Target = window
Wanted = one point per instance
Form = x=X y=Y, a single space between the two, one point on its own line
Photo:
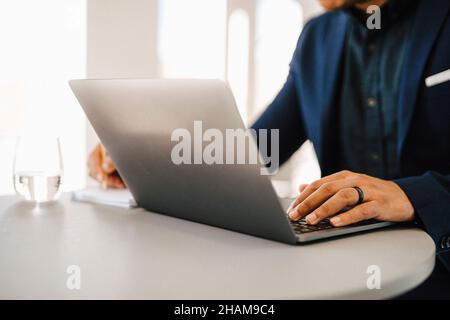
x=43 y=46
x=248 y=43
x=278 y=26
x=238 y=59
x=191 y=38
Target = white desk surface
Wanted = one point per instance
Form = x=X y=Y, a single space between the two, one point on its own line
x=133 y=254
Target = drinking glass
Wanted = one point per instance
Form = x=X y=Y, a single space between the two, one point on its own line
x=38 y=168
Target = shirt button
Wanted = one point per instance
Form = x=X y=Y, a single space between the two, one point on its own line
x=375 y=156
x=371 y=47
x=372 y=102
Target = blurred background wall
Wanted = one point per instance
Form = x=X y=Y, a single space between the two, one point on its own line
x=248 y=43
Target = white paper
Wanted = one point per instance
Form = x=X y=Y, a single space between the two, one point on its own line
x=109 y=197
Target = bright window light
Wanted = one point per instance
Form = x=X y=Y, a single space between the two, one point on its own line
x=43 y=46
x=278 y=26
x=191 y=38
x=238 y=58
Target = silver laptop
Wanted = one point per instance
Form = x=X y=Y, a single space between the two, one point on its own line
x=135 y=120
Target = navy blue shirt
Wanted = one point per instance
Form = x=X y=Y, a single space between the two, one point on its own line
x=308 y=106
x=373 y=63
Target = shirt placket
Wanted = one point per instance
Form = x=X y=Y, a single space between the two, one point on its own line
x=373 y=117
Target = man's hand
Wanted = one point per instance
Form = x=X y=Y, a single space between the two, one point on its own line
x=102 y=169
x=325 y=198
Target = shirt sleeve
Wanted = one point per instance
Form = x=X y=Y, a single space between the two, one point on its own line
x=430 y=196
x=284 y=114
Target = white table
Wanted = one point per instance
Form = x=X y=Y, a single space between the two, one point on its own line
x=134 y=254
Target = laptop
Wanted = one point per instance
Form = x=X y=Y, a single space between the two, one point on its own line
x=136 y=118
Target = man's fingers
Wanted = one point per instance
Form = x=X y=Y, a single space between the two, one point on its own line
x=300 y=190
x=302 y=187
x=341 y=200
x=313 y=187
x=94 y=164
x=363 y=212
x=114 y=181
x=108 y=166
x=102 y=169
x=322 y=194
x=315 y=199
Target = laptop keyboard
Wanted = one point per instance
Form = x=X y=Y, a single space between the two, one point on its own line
x=303 y=227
